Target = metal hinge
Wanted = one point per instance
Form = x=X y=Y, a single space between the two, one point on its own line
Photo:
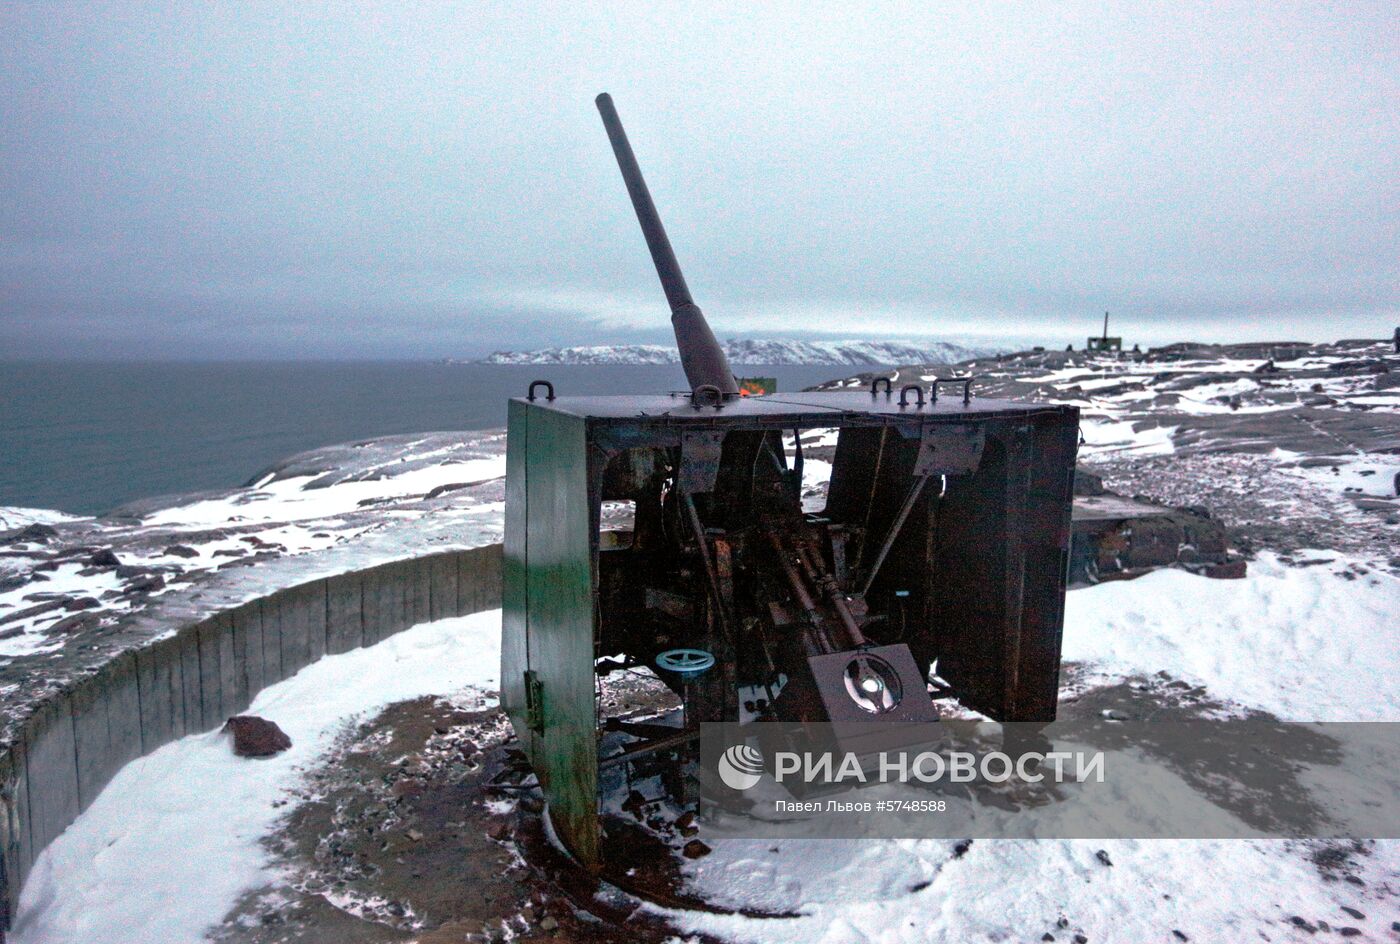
x=534 y=702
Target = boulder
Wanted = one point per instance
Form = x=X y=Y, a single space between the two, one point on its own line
x=256 y=737
x=104 y=558
x=1087 y=483
x=149 y=584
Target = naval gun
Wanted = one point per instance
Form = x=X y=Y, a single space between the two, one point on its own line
x=944 y=540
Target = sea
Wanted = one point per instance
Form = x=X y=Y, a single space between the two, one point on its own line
x=84 y=437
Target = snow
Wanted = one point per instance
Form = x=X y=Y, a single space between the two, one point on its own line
x=13 y=517
x=111 y=878
x=1109 y=435
x=323 y=512
x=862 y=892
x=1364 y=474
x=754 y=351
x=291 y=499
x=1299 y=642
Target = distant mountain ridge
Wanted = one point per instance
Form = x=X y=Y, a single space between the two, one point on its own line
x=757 y=351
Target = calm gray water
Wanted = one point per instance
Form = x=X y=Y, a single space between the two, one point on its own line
x=85 y=437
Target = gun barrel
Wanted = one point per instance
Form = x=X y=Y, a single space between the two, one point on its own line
x=701 y=356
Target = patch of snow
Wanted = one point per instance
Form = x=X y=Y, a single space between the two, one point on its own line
x=920 y=892
x=13 y=517
x=1304 y=643
x=1110 y=436
x=1373 y=475
x=291 y=499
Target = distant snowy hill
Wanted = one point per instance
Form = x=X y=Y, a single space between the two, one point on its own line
x=746 y=351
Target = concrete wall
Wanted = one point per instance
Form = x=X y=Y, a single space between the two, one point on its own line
x=192 y=681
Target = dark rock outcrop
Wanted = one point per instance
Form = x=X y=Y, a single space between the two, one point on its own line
x=38 y=533
x=104 y=558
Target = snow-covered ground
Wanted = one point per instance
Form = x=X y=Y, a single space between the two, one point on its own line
x=1301 y=642
x=1291 y=640
x=1295 y=641
x=166 y=849
x=317 y=513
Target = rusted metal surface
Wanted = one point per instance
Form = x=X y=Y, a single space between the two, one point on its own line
x=703 y=359
x=971 y=569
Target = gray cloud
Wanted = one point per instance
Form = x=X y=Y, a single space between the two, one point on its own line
x=425 y=181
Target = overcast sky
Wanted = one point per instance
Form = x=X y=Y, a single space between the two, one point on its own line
x=259 y=180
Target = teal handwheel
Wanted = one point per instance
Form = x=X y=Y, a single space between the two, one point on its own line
x=686 y=663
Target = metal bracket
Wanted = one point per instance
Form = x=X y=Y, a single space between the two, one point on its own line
x=534 y=702
x=904 y=395
x=966 y=385
x=950 y=448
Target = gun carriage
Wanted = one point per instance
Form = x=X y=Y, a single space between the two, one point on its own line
x=943 y=541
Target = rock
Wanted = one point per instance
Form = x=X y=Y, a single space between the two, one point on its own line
x=444 y=489
x=72 y=624
x=1081 y=939
x=1180 y=936
x=1047 y=936
x=34 y=532
x=1300 y=922
x=414 y=835
x=144 y=585
x=1102 y=856
x=35 y=610
x=499 y=830
x=1230 y=570
x=1088 y=483
x=1354 y=913
x=104 y=558
x=181 y=550
x=407 y=787
x=635 y=804
x=695 y=849
x=960 y=848
x=256 y=737
x=1349 y=931
x=549 y=923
